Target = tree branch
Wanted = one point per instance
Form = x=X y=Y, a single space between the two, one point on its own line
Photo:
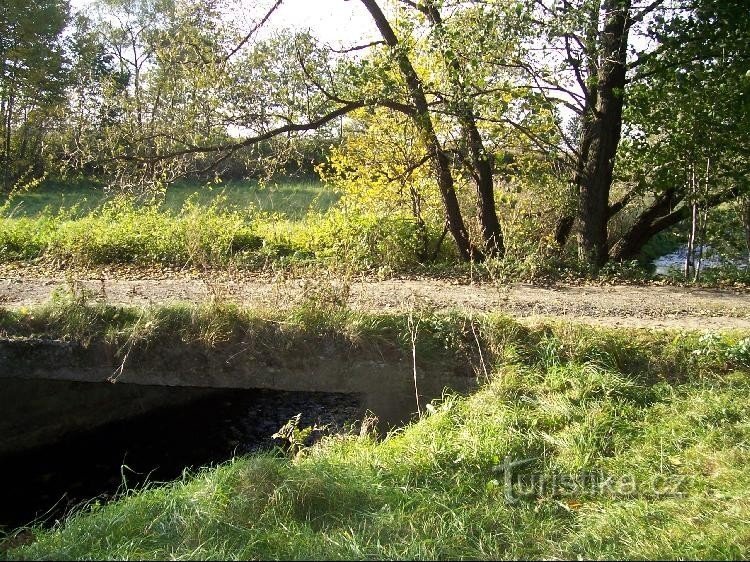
x=644 y=12
x=255 y=28
x=356 y=48
x=285 y=129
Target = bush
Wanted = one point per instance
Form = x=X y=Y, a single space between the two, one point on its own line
x=24 y=239
x=363 y=241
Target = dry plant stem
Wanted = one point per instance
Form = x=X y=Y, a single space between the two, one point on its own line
x=479 y=349
x=413 y=330
x=127 y=347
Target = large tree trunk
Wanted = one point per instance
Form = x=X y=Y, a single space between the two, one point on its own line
x=659 y=216
x=481 y=161
x=565 y=224
x=601 y=134
x=629 y=246
x=483 y=177
x=745 y=215
x=424 y=124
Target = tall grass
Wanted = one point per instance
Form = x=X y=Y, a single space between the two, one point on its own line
x=648 y=356
x=123 y=232
x=584 y=443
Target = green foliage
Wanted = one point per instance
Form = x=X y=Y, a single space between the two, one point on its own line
x=687 y=118
x=535 y=196
x=719 y=276
x=381 y=170
x=733 y=352
x=122 y=232
x=32 y=83
x=147 y=85
x=198 y=227
x=365 y=241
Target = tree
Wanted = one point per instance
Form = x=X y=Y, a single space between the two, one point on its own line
x=583 y=68
x=260 y=88
x=193 y=89
x=31 y=80
x=426 y=129
x=600 y=136
x=689 y=118
x=380 y=167
x=465 y=96
x=461 y=104
x=597 y=64
x=93 y=85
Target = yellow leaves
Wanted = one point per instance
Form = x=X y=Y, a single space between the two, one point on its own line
x=381 y=166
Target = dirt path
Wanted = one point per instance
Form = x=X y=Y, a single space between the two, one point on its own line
x=636 y=306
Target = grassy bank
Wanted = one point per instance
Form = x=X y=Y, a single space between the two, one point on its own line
x=323 y=318
x=628 y=443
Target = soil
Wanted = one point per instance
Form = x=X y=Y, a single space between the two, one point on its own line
x=645 y=306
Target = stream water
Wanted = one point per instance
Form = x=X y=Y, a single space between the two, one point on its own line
x=46 y=483
x=675 y=261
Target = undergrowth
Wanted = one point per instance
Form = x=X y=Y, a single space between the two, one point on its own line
x=289 y=227
x=215 y=235
x=218 y=235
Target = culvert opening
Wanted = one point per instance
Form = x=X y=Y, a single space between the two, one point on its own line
x=192 y=428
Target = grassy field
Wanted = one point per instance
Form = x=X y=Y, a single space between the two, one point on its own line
x=292 y=198
x=200 y=226
x=292 y=225
x=582 y=442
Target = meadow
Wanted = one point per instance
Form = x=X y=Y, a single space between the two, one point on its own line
x=292 y=198
x=194 y=225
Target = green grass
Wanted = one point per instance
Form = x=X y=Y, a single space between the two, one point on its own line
x=659 y=421
x=215 y=235
x=241 y=224
x=290 y=198
x=290 y=225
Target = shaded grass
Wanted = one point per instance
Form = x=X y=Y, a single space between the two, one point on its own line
x=663 y=419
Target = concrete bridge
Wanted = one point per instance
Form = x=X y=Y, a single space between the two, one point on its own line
x=49 y=388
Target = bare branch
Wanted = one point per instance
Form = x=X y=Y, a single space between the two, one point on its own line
x=285 y=129
x=411 y=168
x=416 y=6
x=255 y=28
x=391 y=104
x=644 y=12
x=615 y=208
x=356 y=48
